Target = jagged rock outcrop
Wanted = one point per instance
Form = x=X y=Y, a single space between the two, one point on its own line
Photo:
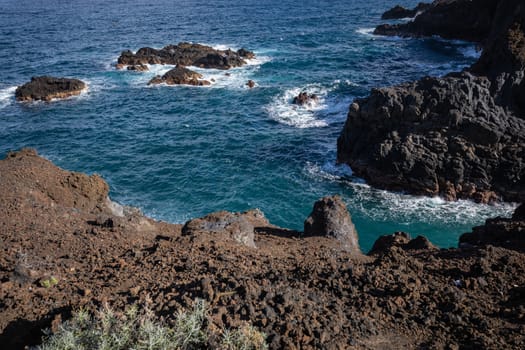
x=398 y=12
x=180 y=76
x=330 y=217
x=505 y=232
x=186 y=54
x=46 y=88
x=460 y=136
x=450 y=19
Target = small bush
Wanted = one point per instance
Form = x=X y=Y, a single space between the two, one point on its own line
x=140 y=330
x=244 y=338
x=48 y=282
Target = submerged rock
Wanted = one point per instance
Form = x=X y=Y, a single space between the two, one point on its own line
x=46 y=88
x=304 y=99
x=330 y=217
x=460 y=136
x=186 y=54
x=180 y=75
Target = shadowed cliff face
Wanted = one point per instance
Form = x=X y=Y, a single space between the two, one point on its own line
x=450 y=19
x=461 y=136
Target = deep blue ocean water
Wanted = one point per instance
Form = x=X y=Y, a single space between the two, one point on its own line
x=182 y=152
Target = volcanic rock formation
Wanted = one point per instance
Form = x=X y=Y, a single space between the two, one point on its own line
x=186 y=54
x=46 y=88
x=460 y=136
x=450 y=19
x=330 y=217
x=180 y=75
x=505 y=232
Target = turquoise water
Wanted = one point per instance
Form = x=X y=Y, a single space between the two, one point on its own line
x=182 y=152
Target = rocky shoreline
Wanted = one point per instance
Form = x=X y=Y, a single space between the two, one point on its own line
x=459 y=136
x=304 y=290
x=66 y=246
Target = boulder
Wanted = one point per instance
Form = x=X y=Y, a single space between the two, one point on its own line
x=401 y=240
x=186 y=54
x=330 y=217
x=237 y=226
x=180 y=75
x=398 y=12
x=46 y=88
x=305 y=99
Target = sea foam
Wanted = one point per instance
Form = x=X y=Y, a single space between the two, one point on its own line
x=7 y=96
x=282 y=110
x=384 y=206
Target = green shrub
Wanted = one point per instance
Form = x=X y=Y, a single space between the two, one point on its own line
x=48 y=282
x=140 y=330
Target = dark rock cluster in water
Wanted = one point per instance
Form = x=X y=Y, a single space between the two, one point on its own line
x=304 y=98
x=460 y=136
x=180 y=75
x=186 y=54
x=46 y=88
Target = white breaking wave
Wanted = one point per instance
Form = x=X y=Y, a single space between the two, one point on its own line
x=365 y=31
x=319 y=113
x=381 y=205
x=7 y=96
x=328 y=172
x=282 y=110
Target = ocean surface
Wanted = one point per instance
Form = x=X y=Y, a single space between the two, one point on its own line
x=182 y=152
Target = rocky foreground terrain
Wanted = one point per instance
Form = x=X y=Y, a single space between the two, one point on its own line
x=64 y=245
x=457 y=136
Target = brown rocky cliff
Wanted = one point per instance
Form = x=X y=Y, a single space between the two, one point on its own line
x=302 y=291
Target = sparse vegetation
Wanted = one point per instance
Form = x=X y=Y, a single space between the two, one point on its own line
x=48 y=282
x=139 y=329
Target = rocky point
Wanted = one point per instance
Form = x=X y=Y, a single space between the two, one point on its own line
x=459 y=136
